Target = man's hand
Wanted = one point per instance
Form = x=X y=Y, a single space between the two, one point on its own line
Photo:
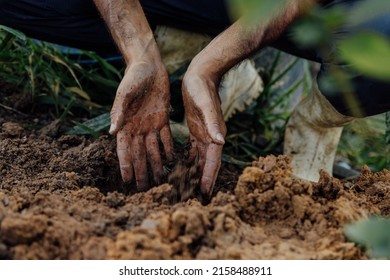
x=139 y=115
x=200 y=84
x=140 y=111
x=206 y=125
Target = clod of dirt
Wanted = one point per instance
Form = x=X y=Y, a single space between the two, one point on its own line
x=376 y=187
x=12 y=129
x=115 y=199
x=51 y=129
x=185 y=178
x=22 y=230
x=4 y=252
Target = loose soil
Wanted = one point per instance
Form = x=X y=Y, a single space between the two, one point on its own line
x=61 y=198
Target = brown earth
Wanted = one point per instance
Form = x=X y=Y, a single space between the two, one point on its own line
x=61 y=198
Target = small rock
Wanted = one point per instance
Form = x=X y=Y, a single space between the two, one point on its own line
x=12 y=129
x=115 y=199
x=51 y=129
x=22 y=230
x=121 y=217
x=4 y=253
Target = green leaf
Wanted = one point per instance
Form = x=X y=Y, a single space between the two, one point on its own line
x=92 y=126
x=79 y=92
x=368 y=53
x=14 y=32
x=365 y=11
x=309 y=33
x=229 y=159
x=373 y=234
x=387 y=135
x=256 y=10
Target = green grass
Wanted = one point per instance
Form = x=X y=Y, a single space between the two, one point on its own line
x=52 y=79
x=364 y=143
x=259 y=130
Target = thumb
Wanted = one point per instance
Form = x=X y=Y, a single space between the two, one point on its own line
x=217 y=137
x=117 y=115
x=216 y=127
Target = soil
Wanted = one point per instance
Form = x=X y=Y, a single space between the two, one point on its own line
x=61 y=198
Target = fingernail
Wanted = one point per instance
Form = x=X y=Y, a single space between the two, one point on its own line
x=220 y=138
x=112 y=128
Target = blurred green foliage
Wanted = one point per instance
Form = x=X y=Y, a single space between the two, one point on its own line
x=373 y=234
x=255 y=10
x=369 y=53
x=364 y=143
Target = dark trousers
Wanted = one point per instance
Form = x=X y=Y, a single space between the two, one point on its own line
x=77 y=23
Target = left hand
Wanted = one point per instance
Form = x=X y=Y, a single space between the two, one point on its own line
x=206 y=124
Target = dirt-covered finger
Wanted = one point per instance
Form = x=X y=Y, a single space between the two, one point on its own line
x=167 y=141
x=202 y=156
x=124 y=156
x=215 y=124
x=118 y=112
x=211 y=168
x=193 y=152
x=139 y=156
x=154 y=157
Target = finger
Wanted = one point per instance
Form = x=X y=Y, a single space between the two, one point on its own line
x=201 y=149
x=216 y=127
x=138 y=153
x=205 y=113
x=154 y=157
x=193 y=153
x=124 y=156
x=166 y=139
x=211 y=168
x=117 y=113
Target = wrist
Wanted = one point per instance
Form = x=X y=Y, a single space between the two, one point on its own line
x=203 y=70
x=141 y=49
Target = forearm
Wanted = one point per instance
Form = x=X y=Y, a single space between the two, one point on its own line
x=241 y=40
x=129 y=28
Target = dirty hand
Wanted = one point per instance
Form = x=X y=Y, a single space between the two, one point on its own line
x=140 y=115
x=206 y=125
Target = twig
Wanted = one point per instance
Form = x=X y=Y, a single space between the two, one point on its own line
x=13 y=110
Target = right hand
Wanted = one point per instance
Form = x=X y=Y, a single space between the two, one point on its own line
x=139 y=115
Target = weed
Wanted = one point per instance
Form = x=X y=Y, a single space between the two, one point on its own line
x=364 y=143
x=51 y=78
x=259 y=130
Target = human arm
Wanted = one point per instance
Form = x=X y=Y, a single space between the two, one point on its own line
x=200 y=86
x=140 y=112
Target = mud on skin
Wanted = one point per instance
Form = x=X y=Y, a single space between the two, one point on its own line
x=61 y=198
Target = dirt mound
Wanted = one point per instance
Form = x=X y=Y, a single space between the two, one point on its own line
x=61 y=198
x=269 y=216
